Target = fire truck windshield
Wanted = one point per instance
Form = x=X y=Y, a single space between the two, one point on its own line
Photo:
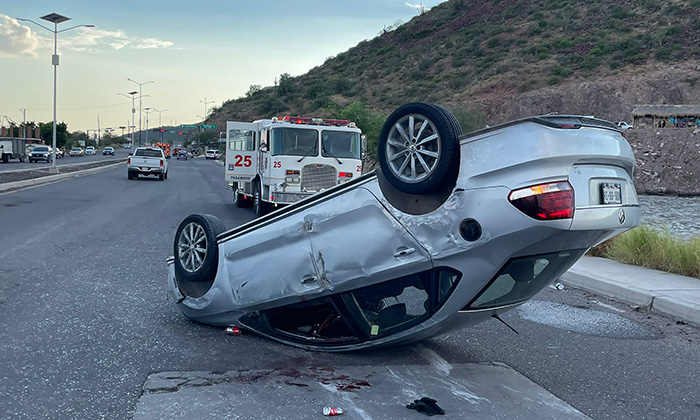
x=294 y=142
x=340 y=144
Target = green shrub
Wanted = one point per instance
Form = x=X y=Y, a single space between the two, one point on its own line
x=651 y=248
x=493 y=42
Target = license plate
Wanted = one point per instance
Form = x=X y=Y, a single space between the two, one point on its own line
x=612 y=193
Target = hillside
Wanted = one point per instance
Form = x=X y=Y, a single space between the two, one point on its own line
x=504 y=59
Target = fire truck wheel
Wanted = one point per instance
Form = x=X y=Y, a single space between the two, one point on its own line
x=196 y=250
x=418 y=146
x=259 y=206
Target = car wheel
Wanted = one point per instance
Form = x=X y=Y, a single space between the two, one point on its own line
x=196 y=252
x=161 y=177
x=418 y=146
x=166 y=175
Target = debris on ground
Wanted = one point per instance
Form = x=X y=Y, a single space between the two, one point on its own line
x=233 y=330
x=332 y=411
x=426 y=405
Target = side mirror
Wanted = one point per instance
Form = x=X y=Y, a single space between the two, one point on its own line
x=363 y=140
x=263 y=147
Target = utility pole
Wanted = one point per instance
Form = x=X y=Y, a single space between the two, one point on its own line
x=24 y=122
x=205 y=102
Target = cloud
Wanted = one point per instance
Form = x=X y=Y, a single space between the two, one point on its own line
x=15 y=39
x=20 y=40
x=148 y=43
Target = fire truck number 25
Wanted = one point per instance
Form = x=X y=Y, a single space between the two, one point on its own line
x=240 y=160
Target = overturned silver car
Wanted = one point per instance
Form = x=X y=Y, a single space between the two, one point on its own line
x=450 y=231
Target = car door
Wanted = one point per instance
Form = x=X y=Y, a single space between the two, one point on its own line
x=356 y=239
x=241 y=151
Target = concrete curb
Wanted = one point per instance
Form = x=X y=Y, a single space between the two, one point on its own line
x=668 y=294
x=53 y=178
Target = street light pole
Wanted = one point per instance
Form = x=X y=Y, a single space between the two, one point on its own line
x=140 y=96
x=160 y=126
x=55 y=18
x=133 y=112
x=148 y=111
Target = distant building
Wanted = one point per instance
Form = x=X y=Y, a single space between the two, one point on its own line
x=666 y=116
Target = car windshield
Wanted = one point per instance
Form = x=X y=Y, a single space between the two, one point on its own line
x=148 y=153
x=41 y=149
x=340 y=144
x=90 y=148
x=76 y=150
x=294 y=142
x=108 y=148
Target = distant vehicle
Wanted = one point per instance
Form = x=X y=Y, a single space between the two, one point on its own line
x=147 y=161
x=624 y=126
x=211 y=154
x=455 y=229
x=40 y=153
x=89 y=150
x=165 y=147
x=108 y=151
x=181 y=154
x=77 y=151
x=13 y=148
x=127 y=145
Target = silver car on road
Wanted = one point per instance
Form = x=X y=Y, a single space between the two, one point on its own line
x=453 y=229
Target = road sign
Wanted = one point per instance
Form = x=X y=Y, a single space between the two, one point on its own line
x=173 y=131
x=188 y=126
x=208 y=126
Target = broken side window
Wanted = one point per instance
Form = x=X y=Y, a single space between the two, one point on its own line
x=399 y=304
x=316 y=319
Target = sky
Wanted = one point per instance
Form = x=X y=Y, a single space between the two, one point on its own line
x=198 y=54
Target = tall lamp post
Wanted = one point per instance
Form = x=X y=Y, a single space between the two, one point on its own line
x=54 y=18
x=160 y=126
x=140 y=96
x=133 y=111
x=148 y=111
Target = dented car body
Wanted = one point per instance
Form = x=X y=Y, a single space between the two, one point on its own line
x=451 y=230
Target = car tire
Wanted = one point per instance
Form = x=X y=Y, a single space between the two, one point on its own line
x=196 y=252
x=166 y=175
x=161 y=177
x=430 y=149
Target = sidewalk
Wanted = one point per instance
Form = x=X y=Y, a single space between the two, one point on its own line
x=669 y=294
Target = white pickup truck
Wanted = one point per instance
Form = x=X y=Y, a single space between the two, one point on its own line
x=147 y=161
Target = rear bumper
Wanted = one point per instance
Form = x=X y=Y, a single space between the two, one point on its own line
x=146 y=171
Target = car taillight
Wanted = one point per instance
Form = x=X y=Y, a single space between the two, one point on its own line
x=128 y=161
x=345 y=174
x=546 y=201
x=161 y=162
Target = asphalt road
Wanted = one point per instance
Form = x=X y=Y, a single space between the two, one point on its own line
x=84 y=314
x=15 y=164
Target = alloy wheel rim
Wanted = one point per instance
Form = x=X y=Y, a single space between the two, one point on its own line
x=192 y=247
x=413 y=148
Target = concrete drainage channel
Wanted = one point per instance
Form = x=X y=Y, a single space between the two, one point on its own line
x=74 y=171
